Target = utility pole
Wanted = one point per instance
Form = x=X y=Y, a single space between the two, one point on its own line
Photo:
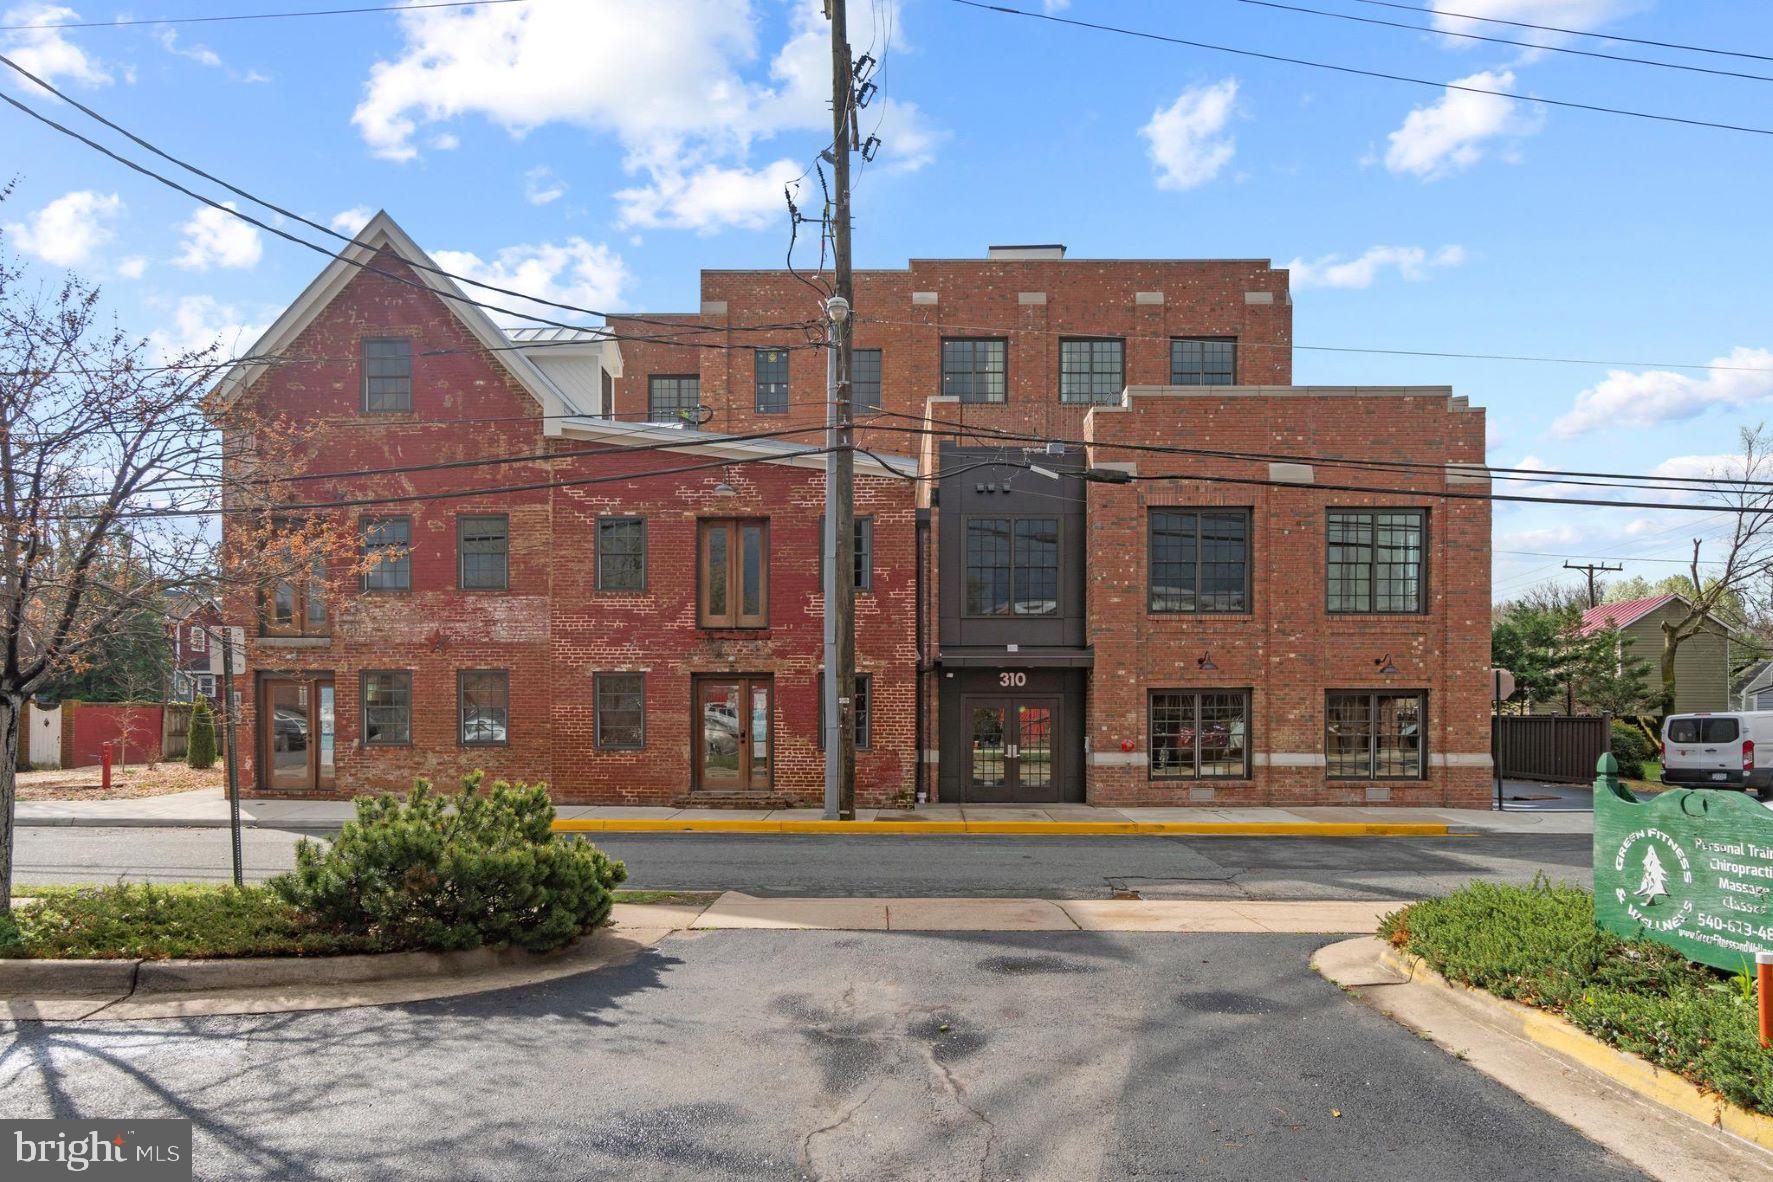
x=840 y=503
x=232 y=757
x=1591 y=568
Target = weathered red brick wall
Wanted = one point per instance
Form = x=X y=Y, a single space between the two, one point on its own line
x=1289 y=649
x=551 y=629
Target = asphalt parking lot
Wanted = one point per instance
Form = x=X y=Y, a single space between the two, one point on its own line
x=728 y=1054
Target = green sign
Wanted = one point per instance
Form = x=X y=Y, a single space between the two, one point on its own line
x=1690 y=869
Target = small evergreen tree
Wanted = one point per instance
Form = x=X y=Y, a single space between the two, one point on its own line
x=200 y=746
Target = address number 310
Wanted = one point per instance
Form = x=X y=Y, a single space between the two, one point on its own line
x=1011 y=680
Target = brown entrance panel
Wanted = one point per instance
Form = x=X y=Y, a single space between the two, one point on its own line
x=734 y=727
x=297 y=733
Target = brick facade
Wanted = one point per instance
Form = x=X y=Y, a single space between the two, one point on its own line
x=553 y=630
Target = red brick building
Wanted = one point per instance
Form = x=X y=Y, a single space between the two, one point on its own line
x=1129 y=568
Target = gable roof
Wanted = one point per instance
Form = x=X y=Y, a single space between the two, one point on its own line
x=383 y=233
x=1626 y=612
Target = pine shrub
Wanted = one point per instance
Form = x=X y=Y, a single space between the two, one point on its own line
x=200 y=744
x=441 y=872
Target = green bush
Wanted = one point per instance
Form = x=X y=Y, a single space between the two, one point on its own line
x=1632 y=748
x=1539 y=945
x=99 y=923
x=200 y=746
x=444 y=872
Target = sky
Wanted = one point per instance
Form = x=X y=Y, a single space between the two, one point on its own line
x=601 y=151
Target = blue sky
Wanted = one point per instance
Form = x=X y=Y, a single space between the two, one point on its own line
x=601 y=152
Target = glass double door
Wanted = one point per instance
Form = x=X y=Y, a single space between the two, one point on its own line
x=297 y=719
x=1010 y=749
x=734 y=728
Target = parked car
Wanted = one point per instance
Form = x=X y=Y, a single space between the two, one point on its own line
x=1717 y=750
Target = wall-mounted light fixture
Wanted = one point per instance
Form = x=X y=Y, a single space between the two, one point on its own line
x=1384 y=664
x=1205 y=661
x=723 y=489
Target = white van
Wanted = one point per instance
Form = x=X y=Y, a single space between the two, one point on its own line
x=1718 y=750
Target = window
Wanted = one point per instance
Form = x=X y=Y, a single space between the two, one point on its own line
x=1012 y=566
x=387 y=549
x=1200 y=736
x=735 y=579
x=973 y=369
x=621 y=711
x=865 y=379
x=1203 y=361
x=864 y=551
x=387 y=375
x=607 y=394
x=772 y=381
x=1200 y=560
x=1374 y=560
x=484 y=546
x=291 y=605
x=1702 y=730
x=387 y=709
x=204 y=685
x=483 y=706
x=673 y=398
x=1374 y=736
x=199 y=639
x=621 y=554
x=863 y=702
x=1092 y=371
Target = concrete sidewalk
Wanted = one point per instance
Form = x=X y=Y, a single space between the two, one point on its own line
x=734 y=910
x=208 y=808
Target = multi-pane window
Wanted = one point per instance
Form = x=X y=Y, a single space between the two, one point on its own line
x=621 y=711
x=1203 y=361
x=387 y=553
x=1092 y=370
x=673 y=398
x=974 y=368
x=484 y=546
x=606 y=406
x=1200 y=560
x=387 y=709
x=199 y=639
x=772 y=381
x=291 y=604
x=1374 y=560
x=734 y=573
x=1199 y=735
x=863 y=701
x=1012 y=566
x=387 y=375
x=483 y=707
x=621 y=554
x=1374 y=736
x=864 y=550
x=865 y=379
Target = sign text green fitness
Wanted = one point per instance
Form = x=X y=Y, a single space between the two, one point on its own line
x=1691 y=869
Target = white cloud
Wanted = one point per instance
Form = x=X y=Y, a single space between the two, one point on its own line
x=1410 y=262
x=1569 y=14
x=216 y=239
x=1650 y=397
x=587 y=274
x=1184 y=139
x=1452 y=133
x=710 y=198
x=711 y=91
x=69 y=229
x=200 y=322
x=203 y=55
x=47 y=52
x=133 y=267
x=349 y=221
x=540 y=185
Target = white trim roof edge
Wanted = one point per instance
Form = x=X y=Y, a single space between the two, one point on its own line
x=714 y=445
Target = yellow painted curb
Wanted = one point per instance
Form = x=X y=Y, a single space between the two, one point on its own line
x=1018 y=828
x=1622 y=1067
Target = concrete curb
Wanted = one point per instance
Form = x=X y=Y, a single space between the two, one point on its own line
x=1029 y=828
x=1560 y=1037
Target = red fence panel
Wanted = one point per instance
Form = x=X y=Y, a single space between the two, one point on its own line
x=133 y=729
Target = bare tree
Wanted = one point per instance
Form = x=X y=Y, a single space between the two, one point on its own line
x=1745 y=494
x=111 y=480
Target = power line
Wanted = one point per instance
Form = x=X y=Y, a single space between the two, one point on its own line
x=1496 y=20
x=1614 y=57
x=1380 y=74
x=128 y=22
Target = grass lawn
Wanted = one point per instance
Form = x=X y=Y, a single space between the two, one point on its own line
x=698 y=898
x=1538 y=945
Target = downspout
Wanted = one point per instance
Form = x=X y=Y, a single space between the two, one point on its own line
x=923 y=544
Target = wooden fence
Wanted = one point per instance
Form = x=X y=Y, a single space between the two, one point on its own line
x=175 y=730
x=1555 y=747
